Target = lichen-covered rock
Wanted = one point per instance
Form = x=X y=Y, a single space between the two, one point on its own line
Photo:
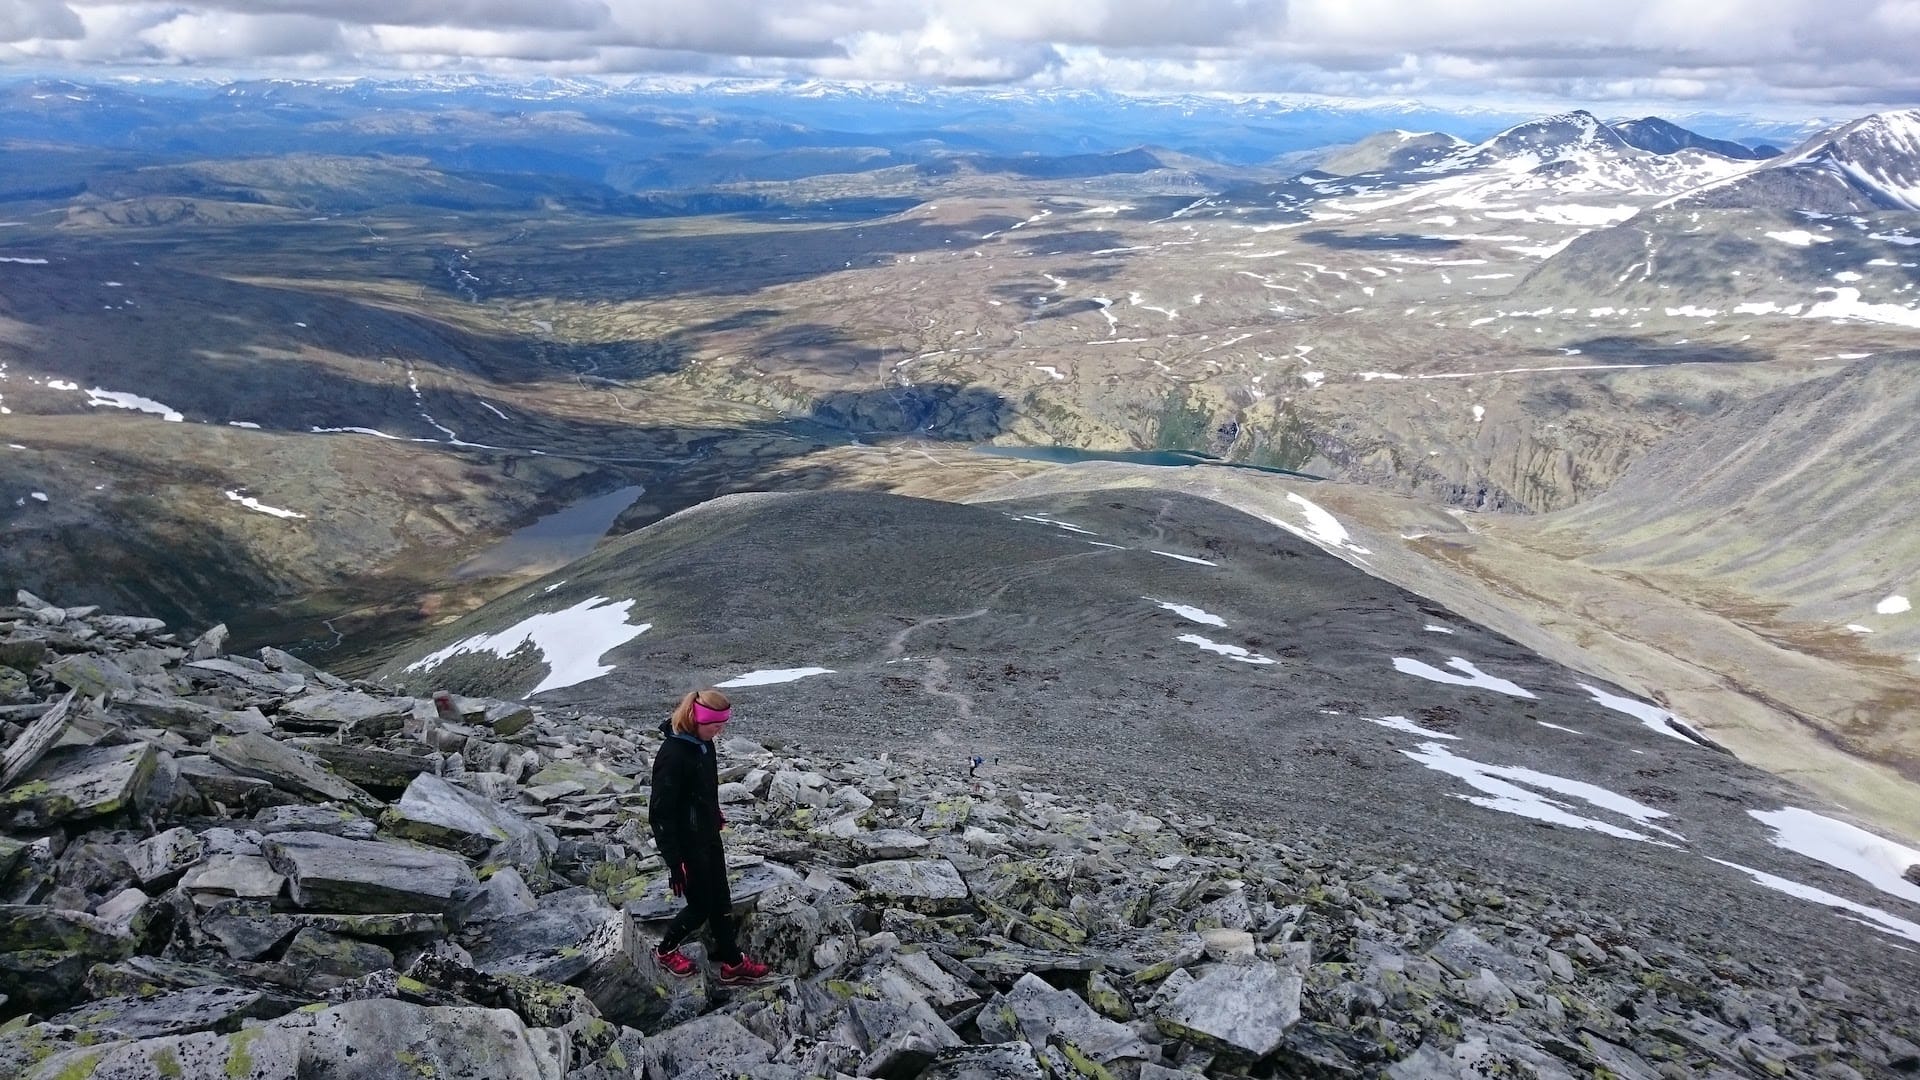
x=76 y=782
x=332 y=873
x=718 y=1041
x=926 y=885
x=1243 y=1009
x=360 y=1040
x=445 y=815
x=288 y=769
x=1040 y=1014
x=999 y=1061
x=176 y=1012
x=45 y=953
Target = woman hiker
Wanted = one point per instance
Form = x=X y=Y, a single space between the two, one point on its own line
x=684 y=812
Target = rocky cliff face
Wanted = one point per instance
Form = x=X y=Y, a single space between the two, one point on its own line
x=232 y=865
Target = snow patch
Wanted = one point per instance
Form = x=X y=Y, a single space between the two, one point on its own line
x=772 y=676
x=1231 y=652
x=1472 y=676
x=1893 y=605
x=1860 y=913
x=1799 y=237
x=1653 y=716
x=1401 y=723
x=1503 y=790
x=256 y=505
x=1186 y=558
x=1189 y=613
x=570 y=641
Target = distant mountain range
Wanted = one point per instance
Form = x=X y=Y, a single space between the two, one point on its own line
x=590 y=129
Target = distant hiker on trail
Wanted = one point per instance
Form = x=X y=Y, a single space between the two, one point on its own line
x=684 y=812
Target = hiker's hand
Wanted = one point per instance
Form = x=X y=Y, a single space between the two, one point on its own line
x=723 y=819
x=677 y=879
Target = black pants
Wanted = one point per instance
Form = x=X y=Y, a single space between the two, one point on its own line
x=709 y=903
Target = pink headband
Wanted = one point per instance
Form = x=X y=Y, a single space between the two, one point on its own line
x=708 y=717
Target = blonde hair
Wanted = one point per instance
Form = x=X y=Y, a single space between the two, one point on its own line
x=683 y=713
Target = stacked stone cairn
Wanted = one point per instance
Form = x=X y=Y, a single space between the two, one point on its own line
x=216 y=865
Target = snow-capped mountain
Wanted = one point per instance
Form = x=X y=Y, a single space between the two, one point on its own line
x=1861 y=166
x=1549 y=139
x=1517 y=174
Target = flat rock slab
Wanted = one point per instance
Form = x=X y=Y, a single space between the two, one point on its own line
x=333 y=873
x=275 y=683
x=22 y=652
x=182 y=1012
x=45 y=953
x=745 y=885
x=889 y=844
x=371 y=766
x=217 y=782
x=249 y=928
x=524 y=945
x=73 y=782
x=928 y=885
x=361 y=1040
x=286 y=768
x=189 y=717
x=347 y=710
x=1240 y=1009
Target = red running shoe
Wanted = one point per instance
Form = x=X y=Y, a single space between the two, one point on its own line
x=748 y=970
x=677 y=964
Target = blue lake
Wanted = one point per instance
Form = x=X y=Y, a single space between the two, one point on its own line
x=554 y=540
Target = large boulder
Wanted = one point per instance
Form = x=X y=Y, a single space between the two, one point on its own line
x=714 y=1040
x=926 y=885
x=346 y=711
x=288 y=769
x=1239 y=1009
x=75 y=782
x=1038 y=1013
x=332 y=873
x=449 y=816
x=45 y=953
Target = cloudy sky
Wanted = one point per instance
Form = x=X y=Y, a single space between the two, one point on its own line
x=1781 y=55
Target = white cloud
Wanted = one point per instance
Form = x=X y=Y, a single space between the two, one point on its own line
x=24 y=19
x=221 y=36
x=1742 y=51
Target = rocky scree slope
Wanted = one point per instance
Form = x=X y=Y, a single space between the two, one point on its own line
x=223 y=865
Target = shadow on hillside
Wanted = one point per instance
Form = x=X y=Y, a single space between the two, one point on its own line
x=1329 y=238
x=738 y=262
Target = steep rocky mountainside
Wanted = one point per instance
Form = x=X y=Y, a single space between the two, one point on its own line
x=1861 y=166
x=1251 y=662
x=222 y=865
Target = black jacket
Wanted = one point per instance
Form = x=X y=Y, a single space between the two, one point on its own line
x=684 y=807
